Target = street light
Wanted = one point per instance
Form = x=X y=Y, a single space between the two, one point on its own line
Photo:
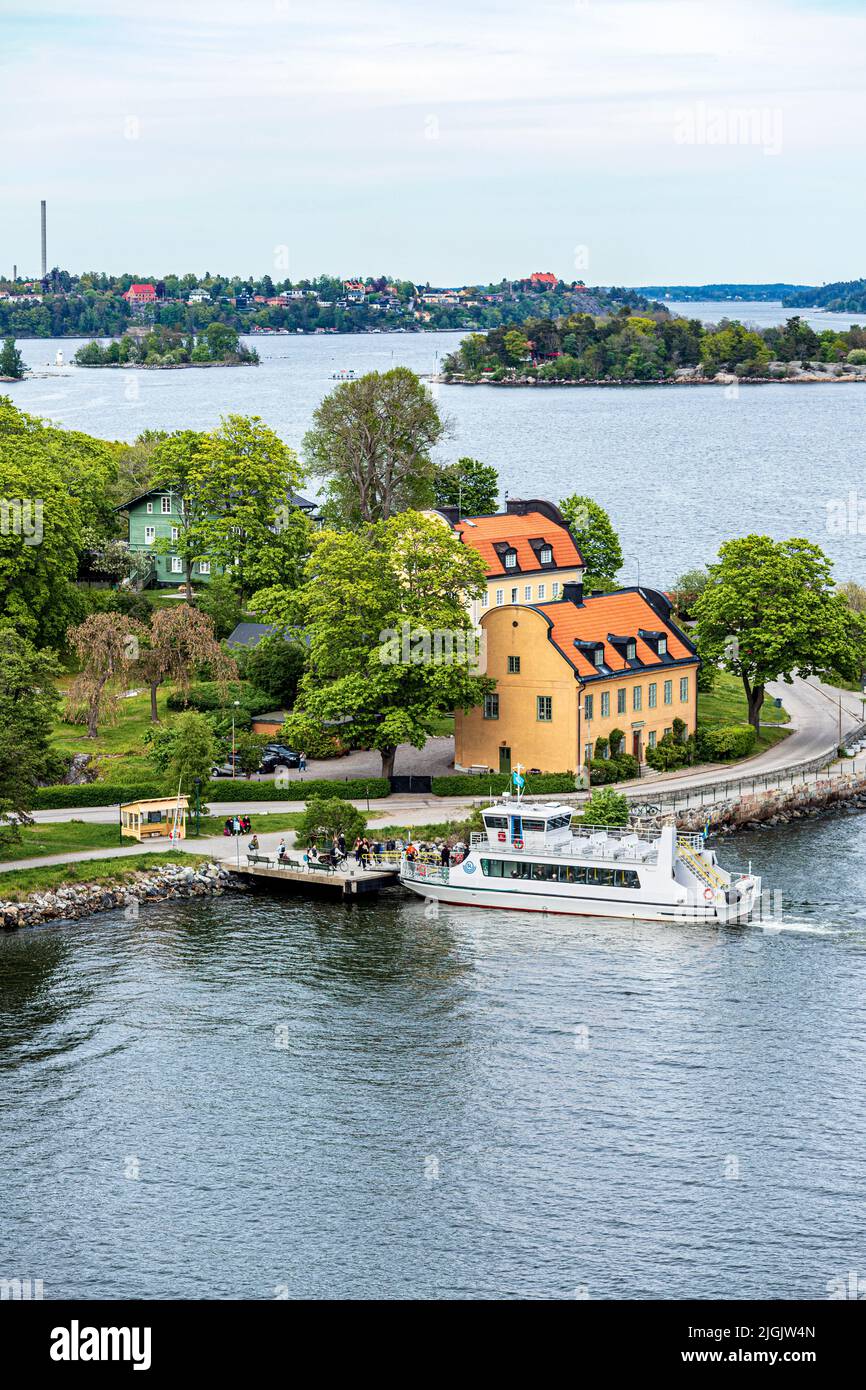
x=196 y=781
x=235 y=705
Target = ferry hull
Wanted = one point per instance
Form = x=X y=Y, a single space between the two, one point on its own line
x=575 y=906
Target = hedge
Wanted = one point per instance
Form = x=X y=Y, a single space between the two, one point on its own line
x=478 y=784
x=110 y=793
x=726 y=741
x=622 y=768
x=207 y=697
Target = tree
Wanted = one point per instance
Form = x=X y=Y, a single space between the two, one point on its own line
x=391 y=643
x=371 y=441
x=29 y=704
x=595 y=538
x=771 y=611
x=687 y=587
x=325 y=817
x=220 y=602
x=516 y=347
x=190 y=754
x=469 y=485
x=106 y=644
x=249 y=748
x=606 y=807
x=11 y=361
x=274 y=665
x=179 y=640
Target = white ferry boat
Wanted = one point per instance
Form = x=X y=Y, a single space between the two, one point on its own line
x=530 y=859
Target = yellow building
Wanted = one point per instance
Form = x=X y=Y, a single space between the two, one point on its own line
x=572 y=671
x=157 y=816
x=528 y=552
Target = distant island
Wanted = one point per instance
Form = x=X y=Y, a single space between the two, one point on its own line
x=101 y=306
x=630 y=348
x=840 y=297
x=218 y=346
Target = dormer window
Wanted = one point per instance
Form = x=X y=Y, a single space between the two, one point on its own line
x=546 y=555
x=598 y=656
x=662 y=646
x=510 y=558
x=630 y=650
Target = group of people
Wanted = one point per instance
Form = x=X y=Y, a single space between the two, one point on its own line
x=237 y=825
x=435 y=852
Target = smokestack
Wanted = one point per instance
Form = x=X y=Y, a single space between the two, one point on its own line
x=44 y=243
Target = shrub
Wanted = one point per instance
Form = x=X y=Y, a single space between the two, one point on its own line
x=726 y=741
x=109 y=794
x=606 y=807
x=616 y=740
x=619 y=769
x=857 y=357
x=325 y=817
x=93 y=794
x=299 y=789
x=205 y=696
x=478 y=784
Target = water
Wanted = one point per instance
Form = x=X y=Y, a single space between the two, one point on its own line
x=435 y=1126
x=760 y=313
x=680 y=469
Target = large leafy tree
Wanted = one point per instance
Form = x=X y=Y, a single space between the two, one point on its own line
x=180 y=640
x=11 y=361
x=469 y=485
x=371 y=442
x=771 y=611
x=29 y=704
x=40 y=541
x=377 y=606
x=183 y=751
x=596 y=540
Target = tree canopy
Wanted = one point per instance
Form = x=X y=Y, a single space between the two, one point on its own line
x=469 y=485
x=596 y=540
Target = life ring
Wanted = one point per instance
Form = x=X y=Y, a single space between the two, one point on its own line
x=709 y=894
x=517 y=844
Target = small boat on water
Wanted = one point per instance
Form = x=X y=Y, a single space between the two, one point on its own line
x=530 y=858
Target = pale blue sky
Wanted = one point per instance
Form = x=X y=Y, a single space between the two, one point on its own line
x=625 y=141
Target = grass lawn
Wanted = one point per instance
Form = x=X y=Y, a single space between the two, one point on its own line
x=273 y=820
x=443 y=726
x=19 y=883
x=65 y=837
x=120 y=746
x=726 y=704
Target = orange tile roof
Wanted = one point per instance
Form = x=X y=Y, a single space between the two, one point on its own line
x=620 y=614
x=483 y=532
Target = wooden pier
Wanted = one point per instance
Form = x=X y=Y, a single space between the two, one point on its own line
x=334 y=883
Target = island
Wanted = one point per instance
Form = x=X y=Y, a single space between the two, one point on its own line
x=656 y=347
x=160 y=347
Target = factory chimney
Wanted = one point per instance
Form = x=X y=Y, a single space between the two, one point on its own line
x=44 y=243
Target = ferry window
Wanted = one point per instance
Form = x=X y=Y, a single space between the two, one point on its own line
x=637 y=696
x=496 y=822
x=684 y=688
x=544 y=708
x=625 y=878
x=669 y=692
x=605 y=703
x=587 y=706
x=491 y=706
x=558 y=822
x=544 y=873
x=572 y=873
x=620 y=701
x=516 y=870
x=533 y=824
x=653 y=694
x=514 y=666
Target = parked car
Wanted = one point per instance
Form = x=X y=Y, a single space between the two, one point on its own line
x=225 y=768
x=276 y=755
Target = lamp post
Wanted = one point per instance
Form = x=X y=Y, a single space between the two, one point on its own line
x=197 y=784
x=235 y=705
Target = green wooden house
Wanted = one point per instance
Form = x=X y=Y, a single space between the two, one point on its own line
x=154 y=517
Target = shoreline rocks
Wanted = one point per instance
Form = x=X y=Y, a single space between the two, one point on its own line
x=806 y=801
x=70 y=902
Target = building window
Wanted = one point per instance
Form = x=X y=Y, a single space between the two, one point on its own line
x=514 y=666
x=175 y=532
x=587 y=706
x=663 y=646
x=620 y=701
x=637 y=697
x=544 y=708
x=166 y=505
x=513 y=595
x=669 y=692
x=204 y=566
x=587 y=753
x=605 y=704
x=598 y=656
x=485 y=599
x=500 y=595
x=149 y=535
x=684 y=688
x=527 y=593
x=542 y=592
x=176 y=565
x=511 y=559
x=669 y=730
x=652 y=738
x=546 y=555
x=491 y=706
x=653 y=694
x=630 y=650
x=555 y=589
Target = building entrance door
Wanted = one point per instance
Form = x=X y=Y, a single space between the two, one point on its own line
x=505 y=760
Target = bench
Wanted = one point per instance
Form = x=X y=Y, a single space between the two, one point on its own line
x=318 y=866
x=258 y=859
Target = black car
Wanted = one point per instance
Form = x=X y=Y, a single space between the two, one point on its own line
x=276 y=755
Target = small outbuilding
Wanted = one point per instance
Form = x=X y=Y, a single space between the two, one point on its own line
x=163 y=817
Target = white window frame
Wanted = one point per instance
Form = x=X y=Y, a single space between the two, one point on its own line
x=527 y=593
x=511 y=559
x=150 y=509
x=542 y=591
x=149 y=535
x=555 y=588
x=663 y=646
x=485 y=599
x=204 y=566
x=684 y=689
x=176 y=566
x=500 y=596
x=165 y=506
x=546 y=555
x=175 y=533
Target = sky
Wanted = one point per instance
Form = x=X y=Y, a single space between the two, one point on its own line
x=616 y=141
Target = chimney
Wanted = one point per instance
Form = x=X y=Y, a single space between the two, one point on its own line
x=44 y=243
x=572 y=592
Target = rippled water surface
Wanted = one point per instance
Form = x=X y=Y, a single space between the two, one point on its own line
x=228 y=1098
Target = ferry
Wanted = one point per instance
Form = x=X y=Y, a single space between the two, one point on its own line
x=530 y=858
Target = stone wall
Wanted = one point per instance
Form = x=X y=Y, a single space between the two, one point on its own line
x=834 y=795
x=72 y=901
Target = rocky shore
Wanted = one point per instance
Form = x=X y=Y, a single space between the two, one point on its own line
x=835 y=796
x=70 y=902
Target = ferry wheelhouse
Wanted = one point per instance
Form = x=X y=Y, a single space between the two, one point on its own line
x=530 y=858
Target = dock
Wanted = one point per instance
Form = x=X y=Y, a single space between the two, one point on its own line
x=350 y=883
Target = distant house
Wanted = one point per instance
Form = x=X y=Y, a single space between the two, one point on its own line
x=155 y=516
x=355 y=291
x=140 y=294
x=199 y=297
x=543 y=280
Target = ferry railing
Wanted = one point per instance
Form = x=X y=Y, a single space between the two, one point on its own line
x=425 y=873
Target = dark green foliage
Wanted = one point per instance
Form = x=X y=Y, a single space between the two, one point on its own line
x=325 y=817
x=720 y=743
x=207 y=696
x=477 y=784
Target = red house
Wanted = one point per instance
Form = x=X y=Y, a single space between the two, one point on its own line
x=141 y=294
x=543 y=279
